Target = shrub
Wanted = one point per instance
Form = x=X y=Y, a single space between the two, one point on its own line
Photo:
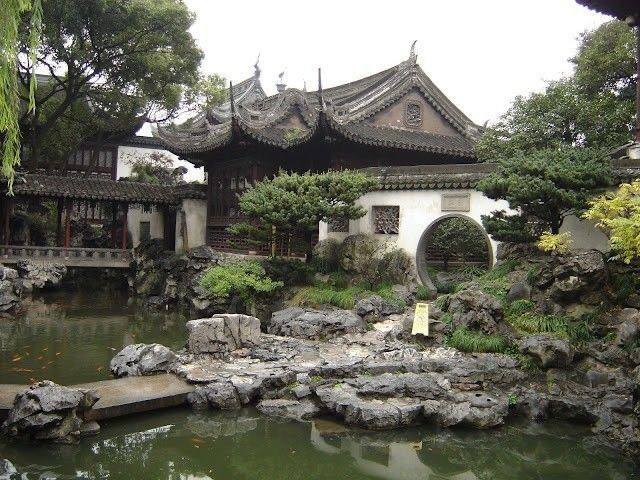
x=246 y=278
x=326 y=256
x=475 y=342
x=288 y=271
x=558 y=243
x=396 y=267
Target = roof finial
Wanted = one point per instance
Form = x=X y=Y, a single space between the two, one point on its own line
x=256 y=66
x=232 y=102
x=413 y=57
x=281 y=85
x=320 y=95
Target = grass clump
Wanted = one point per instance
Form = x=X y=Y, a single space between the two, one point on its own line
x=318 y=295
x=422 y=293
x=475 y=342
x=578 y=331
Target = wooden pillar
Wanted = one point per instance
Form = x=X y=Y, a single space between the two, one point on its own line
x=114 y=220
x=7 y=205
x=59 y=209
x=67 y=224
x=638 y=78
x=125 y=211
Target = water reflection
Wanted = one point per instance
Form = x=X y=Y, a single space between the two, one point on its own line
x=70 y=337
x=180 y=444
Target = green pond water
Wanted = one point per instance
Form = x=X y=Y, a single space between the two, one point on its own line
x=70 y=338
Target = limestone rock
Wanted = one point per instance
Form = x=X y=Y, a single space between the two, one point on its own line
x=217 y=395
x=40 y=275
x=477 y=410
x=7 y=470
x=46 y=411
x=291 y=409
x=223 y=333
x=475 y=310
x=548 y=351
x=375 y=308
x=142 y=359
x=314 y=324
x=519 y=291
x=578 y=275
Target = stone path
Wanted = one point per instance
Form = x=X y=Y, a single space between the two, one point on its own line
x=122 y=396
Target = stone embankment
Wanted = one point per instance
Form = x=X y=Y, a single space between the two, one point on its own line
x=26 y=278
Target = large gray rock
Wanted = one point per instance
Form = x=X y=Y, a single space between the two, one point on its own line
x=142 y=359
x=290 y=409
x=223 y=333
x=475 y=409
x=218 y=395
x=578 y=275
x=40 y=275
x=375 y=308
x=475 y=310
x=548 y=351
x=46 y=411
x=9 y=299
x=7 y=470
x=519 y=291
x=314 y=324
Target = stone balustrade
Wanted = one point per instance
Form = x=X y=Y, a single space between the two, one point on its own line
x=68 y=256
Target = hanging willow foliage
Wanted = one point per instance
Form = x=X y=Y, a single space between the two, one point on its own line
x=10 y=20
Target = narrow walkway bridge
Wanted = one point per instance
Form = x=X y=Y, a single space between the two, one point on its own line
x=121 y=396
x=68 y=256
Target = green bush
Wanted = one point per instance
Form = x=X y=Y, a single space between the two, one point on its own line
x=395 y=267
x=246 y=278
x=326 y=256
x=289 y=271
x=475 y=342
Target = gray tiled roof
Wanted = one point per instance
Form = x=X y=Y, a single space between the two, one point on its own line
x=81 y=188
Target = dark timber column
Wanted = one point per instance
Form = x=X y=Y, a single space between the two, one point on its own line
x=6 y=220
x=114 y=220
x=67 y=224
x=59 y=208
x=638 y=78
x=125 y=211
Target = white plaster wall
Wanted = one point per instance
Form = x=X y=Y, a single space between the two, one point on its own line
x=418 y=210
x=128 y=154
x=584 y=234
x=136 y=215
x=195 y=213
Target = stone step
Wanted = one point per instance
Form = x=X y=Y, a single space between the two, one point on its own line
x=122 y=396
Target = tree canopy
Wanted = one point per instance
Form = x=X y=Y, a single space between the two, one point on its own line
x=109 y=65
x=10 y=23
x=544 y=187
x=457 y=238
x=591 y=108
x=298 y=202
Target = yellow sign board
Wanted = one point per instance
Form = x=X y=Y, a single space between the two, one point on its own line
x=421 y=319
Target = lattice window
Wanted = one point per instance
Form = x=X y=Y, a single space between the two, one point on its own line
x=386 y=219
x=413 y=115
x=340 y=225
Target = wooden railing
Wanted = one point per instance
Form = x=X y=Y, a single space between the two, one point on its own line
x=69 y=256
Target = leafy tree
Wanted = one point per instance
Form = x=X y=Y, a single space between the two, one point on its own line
x=110 y=64
x=458 y=238
x=208 y=91
x=543 y=188
x=10 y=23
x=593 y=107
x=247 y=279
x=619 y=215
x=292 y=202
x=156 y=168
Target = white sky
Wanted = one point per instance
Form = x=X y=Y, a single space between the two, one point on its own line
x=480 y=53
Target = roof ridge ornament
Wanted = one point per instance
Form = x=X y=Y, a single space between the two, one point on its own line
x=320 y=94
x=256 y=66
x=413 y=56
x=232 y=103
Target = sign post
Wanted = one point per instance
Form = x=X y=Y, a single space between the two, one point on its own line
x=421 y=320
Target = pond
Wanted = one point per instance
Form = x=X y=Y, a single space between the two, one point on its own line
x=70 y=338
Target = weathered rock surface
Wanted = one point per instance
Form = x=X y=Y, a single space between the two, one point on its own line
x=142 y=359
x=7 y=470
x=375 y=308
x=40 y=275
x=290 y=409
x=314 y=324
x=218 y=396
x=476 y=310
x=46 y=411
x=548 y=351
x=223 y=333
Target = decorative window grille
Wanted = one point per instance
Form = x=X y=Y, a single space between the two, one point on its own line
x=386 y=219
x=413 y=115
x=338 y=225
